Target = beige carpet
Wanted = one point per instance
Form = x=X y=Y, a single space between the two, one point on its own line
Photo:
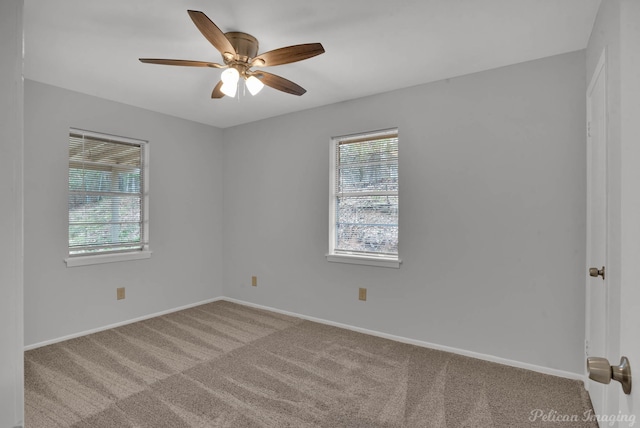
x=227 y=365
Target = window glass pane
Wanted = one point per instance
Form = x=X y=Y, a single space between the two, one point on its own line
x=105 y=195
x=368 y=166
x=367 y=224
x=366 y=194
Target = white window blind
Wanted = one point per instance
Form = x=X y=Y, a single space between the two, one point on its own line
x=106 y=194
x=365 y=195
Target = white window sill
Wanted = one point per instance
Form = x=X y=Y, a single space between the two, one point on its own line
x=106 y=258
x=364 y=260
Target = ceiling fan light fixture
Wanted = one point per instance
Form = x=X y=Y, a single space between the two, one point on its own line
x=229 y=89
x=229 y=79
x=254 y=85
x=230 y=75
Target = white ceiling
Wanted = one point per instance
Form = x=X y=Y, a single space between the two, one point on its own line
x=372 y=46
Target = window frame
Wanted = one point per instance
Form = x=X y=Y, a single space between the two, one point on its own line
x=341 y=256
x=144 y=252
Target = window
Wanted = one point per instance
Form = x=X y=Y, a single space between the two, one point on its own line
x=363 y=214
x=108 y=214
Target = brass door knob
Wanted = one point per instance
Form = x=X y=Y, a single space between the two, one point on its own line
x=595 y=272
x=600 y=371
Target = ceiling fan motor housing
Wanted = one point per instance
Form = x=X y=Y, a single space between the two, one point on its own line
x=246 y=45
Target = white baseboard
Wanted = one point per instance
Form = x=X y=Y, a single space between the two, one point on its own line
x=485 y=357
x=119 y=324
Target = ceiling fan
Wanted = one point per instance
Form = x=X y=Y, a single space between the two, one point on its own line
x=240 y=53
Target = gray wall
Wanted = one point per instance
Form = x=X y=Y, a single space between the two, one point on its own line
x=185 y=217
x=492 y=214
x=11 y=103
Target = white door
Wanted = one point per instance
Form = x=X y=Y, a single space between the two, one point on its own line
x=629 y=409
x=596 y=287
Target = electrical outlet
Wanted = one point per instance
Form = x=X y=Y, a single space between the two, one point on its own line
x=120 y=293
x=254 y=281
x=362 y=294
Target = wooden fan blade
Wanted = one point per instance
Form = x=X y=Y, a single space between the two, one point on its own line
x=288 y=55
x=217 y=93
x=211 y=32
x=182 y=62
x=280 y=83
